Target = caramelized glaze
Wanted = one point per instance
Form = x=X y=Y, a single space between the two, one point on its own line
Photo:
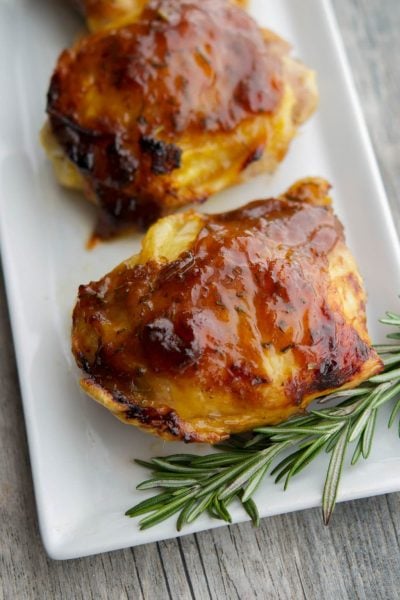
x=254 y=281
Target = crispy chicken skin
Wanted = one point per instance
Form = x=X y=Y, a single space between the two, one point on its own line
x=190 y=99
x=227 y=322
x=106 y=14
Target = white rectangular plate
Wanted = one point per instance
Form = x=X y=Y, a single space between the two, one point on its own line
x=81 y=456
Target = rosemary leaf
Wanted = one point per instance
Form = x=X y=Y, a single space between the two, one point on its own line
x=221 y=510
x=194 y=474
x=254 y=440
x=272 y=431
x=254 y=482
x=357 y=454
x=368 y=435
x=306 y=457
x=168 y=510
x=333 y=475
x=391 y=360
x=264 y=459
x=222 y=479
x=333 y=441
x=285 y=462
x=148 y=505
x=343 y=394
x=180 y=458
x=144 y=463
x=395 y=412
x=199 y=507
x=251 y=508
x=182 y=519
x=361 y=422
x=386 y=376
x=387 y=395
x=164 y=465
x=166 y=483
x=220 y=459
x=387 y=348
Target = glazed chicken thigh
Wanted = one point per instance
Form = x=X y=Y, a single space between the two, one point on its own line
x=190 y=99
x=227 y=322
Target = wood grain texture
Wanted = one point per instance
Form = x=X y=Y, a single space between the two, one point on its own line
x=289 y=557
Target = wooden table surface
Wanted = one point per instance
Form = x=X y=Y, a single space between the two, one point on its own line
x=290 y=556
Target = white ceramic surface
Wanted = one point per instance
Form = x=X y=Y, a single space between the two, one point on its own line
x=81 y=456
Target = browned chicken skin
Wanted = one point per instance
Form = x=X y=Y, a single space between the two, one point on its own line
x=227 y=322
x=105 y=14
x=188 y=100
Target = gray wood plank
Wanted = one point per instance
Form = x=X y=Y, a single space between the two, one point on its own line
x=370 y=29
x=289 y=557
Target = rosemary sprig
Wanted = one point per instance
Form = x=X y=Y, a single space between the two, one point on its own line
x=192 y=485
